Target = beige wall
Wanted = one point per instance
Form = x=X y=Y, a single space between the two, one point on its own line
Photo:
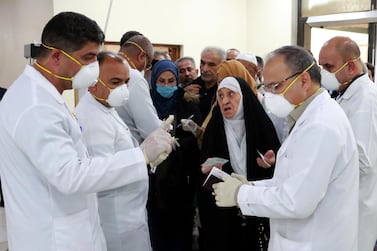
x=250 y=25
x=21 y=22
x=271 y=24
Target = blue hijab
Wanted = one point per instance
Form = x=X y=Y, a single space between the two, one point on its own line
x=164 y=106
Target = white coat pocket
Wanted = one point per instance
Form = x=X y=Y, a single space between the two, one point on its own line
x=73 y=232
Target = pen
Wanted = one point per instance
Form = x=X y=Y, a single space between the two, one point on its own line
x=262 y=157
x=190 y=117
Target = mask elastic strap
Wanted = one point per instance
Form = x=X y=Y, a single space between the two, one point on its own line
x=141 y=49
x=137 y=45
x=50 y=72
x=298 y=76
x=65 y=53
x=344 y=65
x=341 y=68
x=100 y=80
x=128 y=59
x=100 y=99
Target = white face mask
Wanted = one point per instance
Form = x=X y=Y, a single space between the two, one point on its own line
x=118 y=96
x=277 y=104
x=329 y=80
x=86 y=76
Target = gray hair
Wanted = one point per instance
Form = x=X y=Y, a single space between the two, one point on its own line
x=298 y=59
x=218 y=50
x=179 y=60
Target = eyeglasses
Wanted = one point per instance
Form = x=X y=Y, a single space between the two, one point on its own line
x=271 y=87
x=148 y=61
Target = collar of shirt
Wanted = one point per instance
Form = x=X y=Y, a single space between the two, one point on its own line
x=348 y=85
x=42 y=82
x=296 y=113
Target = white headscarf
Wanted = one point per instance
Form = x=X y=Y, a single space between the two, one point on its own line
x=235 y=130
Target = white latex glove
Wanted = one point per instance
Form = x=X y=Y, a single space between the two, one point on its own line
x=189 y=125
x=166 y=124
x=242 y=179
x=158 y=145
x=226 y=192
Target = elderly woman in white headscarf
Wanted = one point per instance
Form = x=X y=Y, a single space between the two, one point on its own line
x=238 y=129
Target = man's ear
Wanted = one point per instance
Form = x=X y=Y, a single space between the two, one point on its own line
x=305 y=80
x=55 y=56
x=140 y=56
x=352 y=67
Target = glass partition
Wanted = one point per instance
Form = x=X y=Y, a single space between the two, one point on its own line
x=358 y=33
x=326 y=7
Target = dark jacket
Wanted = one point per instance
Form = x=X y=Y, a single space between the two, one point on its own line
x=172 y=186
x=206 y=98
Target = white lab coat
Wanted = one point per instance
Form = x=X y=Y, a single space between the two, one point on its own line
x=48 y=180
x=359 y=102
x=139 y=113
x=312 y=200
x=122 y=210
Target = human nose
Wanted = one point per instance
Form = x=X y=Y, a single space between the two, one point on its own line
x=205 y=67
x=224 y=100
x=267 y=88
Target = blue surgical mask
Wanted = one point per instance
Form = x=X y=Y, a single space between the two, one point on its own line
x=166 y=91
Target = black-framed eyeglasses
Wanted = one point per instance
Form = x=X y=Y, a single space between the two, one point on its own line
x=271 y=87
x=148 y=63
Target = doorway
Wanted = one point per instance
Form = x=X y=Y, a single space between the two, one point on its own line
x=358 y=33
x=359 y=26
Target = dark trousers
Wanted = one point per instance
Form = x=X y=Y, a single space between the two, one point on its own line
x=170 y=230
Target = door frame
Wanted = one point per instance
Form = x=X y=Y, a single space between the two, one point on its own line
x=370 y=17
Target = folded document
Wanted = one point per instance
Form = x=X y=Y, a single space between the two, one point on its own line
x=216 y=175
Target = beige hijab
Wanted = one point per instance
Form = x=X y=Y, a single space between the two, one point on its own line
x=233 y=68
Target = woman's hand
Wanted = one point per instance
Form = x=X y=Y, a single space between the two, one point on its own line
x=266 y=160
x=207 y=169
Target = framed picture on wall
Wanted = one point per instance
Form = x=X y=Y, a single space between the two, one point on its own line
x=111 y=46
x=172 y=49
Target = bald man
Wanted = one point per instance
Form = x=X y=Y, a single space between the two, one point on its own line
x=122 y=210
x=138 y=112
x=343 y=71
